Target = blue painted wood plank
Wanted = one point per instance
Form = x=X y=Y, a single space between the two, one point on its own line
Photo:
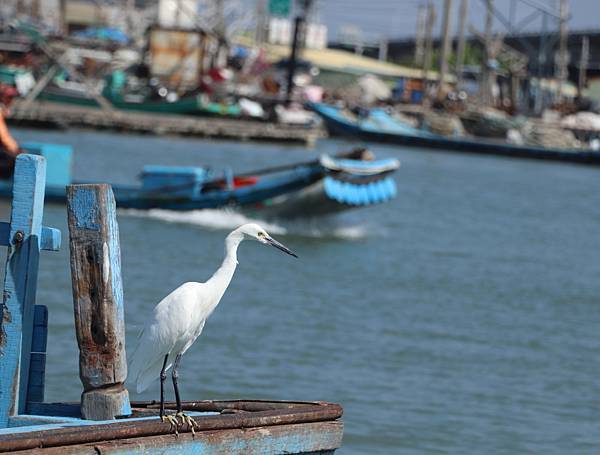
x=29 y=420
x=302 y=438
x=37 y=364
x=20 y=283
x=40 y=329
x=55 y=409
x=50 y=237
x=4 y=233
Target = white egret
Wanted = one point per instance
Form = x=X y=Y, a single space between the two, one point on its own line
x=179 y=318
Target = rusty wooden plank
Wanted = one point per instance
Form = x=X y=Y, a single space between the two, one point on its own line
x=56 y=436
x=141 y=408
x=220 y=405
x=98 y=300
x=144 y=407
x=313 y=437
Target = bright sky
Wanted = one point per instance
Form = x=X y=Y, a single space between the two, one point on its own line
x=397 y=18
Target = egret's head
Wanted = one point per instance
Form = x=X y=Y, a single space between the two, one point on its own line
x=255 y=232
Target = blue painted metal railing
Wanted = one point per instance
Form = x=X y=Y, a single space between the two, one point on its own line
x=23 y=326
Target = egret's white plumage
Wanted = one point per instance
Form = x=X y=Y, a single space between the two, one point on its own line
x=179 y=318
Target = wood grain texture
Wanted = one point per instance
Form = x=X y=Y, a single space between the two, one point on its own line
x=307 y=438
x=98 y=300
x=86 y=432
x=20 y=283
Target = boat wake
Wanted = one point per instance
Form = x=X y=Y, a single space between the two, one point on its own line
x=225 y=219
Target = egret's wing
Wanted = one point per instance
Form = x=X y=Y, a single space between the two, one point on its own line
x=170 y=322
x=196 y=334
x=147 y=359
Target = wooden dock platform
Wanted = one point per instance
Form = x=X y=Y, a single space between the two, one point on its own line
x=58 y=115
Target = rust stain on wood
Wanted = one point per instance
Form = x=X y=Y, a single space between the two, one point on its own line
x=272 y=414
x=6 y=319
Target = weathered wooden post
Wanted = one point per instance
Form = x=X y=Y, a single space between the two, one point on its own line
x=98 y=300
x=23 y=341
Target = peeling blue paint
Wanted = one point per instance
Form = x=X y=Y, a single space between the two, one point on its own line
x=20 y=283
x=85 y=209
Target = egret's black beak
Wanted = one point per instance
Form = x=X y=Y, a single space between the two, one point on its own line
x=271 y=241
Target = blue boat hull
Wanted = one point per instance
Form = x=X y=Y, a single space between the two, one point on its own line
x=338 y=125
x=305 y=190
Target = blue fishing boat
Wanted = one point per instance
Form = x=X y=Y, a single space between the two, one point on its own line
x=319 y=187
x=377 y=125
x=105 y=421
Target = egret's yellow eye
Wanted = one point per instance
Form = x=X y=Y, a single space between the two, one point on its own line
x=261 y=235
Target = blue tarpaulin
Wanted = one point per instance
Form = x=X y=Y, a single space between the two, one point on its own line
x=106 y=33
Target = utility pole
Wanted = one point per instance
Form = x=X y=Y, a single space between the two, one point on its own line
x=445 y=48
x=296 y=43
x=487 y=77
x=460 y=48
x=130 y=19
x=35 y=10
x=261 y=21
x=220 y=18
x=383 y=49
x=420 y=36
x=20 y=8
x=563 y=56
x=512 y=15
x=62 y=11
x=583 y=63
x=542 y=55
x=428 y=46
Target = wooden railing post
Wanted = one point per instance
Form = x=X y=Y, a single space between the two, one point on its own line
x=98 y=300
x=24 y=236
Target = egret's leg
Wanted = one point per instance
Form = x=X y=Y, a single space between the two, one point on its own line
x=175 y=376
x=163 y=377
x=184 y=418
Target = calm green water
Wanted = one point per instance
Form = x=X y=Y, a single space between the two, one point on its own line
x=463 y=317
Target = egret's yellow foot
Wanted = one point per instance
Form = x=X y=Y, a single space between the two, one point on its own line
x=190 y=422
x=173 y=422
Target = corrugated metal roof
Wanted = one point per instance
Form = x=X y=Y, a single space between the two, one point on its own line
x=337 y=60
x=85 y=13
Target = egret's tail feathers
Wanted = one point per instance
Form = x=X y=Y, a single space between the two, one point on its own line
x=147 y=375
x=144 y=380
x=142 y=384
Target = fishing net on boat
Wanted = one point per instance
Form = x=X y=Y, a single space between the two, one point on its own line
x=406 y=119
x=548 y=136
x=582 y=120
x=443 y=123
x=489 y=122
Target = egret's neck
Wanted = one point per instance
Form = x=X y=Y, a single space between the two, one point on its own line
x=223 y=275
